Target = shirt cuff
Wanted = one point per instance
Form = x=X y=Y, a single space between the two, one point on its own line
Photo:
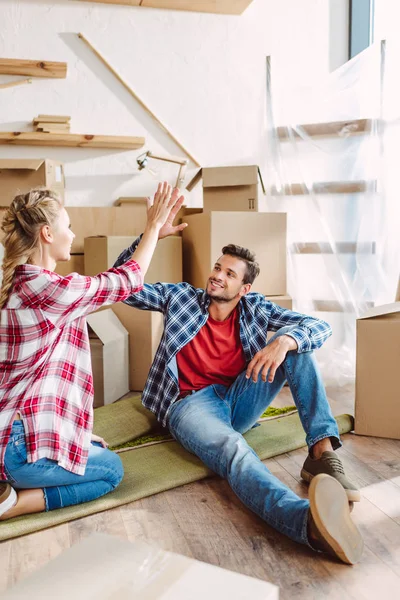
x=302 y=339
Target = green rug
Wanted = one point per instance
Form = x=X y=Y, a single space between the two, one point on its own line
x=158 y=467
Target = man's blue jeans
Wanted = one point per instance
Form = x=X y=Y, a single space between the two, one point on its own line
x=61 y=488
x=210 y=424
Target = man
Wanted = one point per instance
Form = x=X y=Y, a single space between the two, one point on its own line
x=214 y=375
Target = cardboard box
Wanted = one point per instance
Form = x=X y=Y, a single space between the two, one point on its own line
x=231 y=188
x=89 y=221
x=101 y=252
x=377 y=410
x=145 y=327
x=263 y=233
x=110 y=357
x=397 y=299
x=75 y=264
x=19 y=176
x=145 y=331
x=139 y=205
x=283 y=301
x=102 y=567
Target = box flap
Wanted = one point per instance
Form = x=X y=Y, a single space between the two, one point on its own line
x=32 y=164
x=106 y=326
x=397 y=299
x=195 y=180
x=227 y=177
x=380 y=311
x=230 y=176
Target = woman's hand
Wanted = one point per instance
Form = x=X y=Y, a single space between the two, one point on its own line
x=97 y=438
x=163 y=203
x=169 y=228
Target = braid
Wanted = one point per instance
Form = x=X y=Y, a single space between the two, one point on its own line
x=21 y=225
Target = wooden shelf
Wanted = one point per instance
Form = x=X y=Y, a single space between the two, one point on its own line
x=335 y=306
x=227 y=7
x=325 y=187
x=34 y=138
x=33 y=68
x=340 y=248
x=333 y=129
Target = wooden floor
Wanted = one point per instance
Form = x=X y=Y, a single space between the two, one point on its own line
x=205 y=520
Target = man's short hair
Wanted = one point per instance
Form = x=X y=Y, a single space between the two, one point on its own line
x=248 y=257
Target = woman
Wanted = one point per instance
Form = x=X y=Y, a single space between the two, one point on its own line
x=47 y=450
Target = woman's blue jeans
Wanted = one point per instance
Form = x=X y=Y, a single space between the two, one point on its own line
x=211 y=422
x=61 y=488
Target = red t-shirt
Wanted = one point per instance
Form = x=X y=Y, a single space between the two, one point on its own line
x=215 y=355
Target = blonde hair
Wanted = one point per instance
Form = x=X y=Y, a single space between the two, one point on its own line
x=21 y=225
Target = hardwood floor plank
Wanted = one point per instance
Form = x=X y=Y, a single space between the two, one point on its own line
x=152 y=520
x=29 y=553
x=109 y=522
x=209 y=532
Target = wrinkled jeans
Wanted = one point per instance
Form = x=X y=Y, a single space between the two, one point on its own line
x=210 y=423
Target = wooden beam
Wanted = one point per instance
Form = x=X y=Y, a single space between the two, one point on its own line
x=325 y=187
x=11 y=84
x=332 y=129
x=136 y=97
x=336 y=306
x=33 y=68
x=338 y=248
x=227 y=7
x=34 y=138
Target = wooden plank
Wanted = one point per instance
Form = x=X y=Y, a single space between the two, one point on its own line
x=35 y=138
x=135 y=96
x=228 y=7
x=336 y=306
x=33 y=68
x=51 y=119
x=126 y=2
x=11 y=84
x=152 y=520
x=335 y=128
x=29 y=553
x=337 y=248
x=325 y=187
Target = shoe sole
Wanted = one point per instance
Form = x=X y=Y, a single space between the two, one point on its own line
x=330 y=511
x=352 y=495
x=9 y=502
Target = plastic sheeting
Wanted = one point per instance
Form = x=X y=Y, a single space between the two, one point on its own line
x=337 y=180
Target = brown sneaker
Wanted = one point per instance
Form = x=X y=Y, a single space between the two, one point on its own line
x=330 y=527
x=330 y=464
x=8 y=497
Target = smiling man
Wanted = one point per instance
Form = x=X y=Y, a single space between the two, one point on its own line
x=214 y=375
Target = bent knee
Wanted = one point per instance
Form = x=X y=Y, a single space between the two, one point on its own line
x=115 y=471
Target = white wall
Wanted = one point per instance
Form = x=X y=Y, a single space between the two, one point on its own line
x=203 y=75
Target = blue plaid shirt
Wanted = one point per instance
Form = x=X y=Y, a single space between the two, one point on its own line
x=185 y=311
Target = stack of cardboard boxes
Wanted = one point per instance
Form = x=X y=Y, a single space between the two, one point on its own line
x=234 y=211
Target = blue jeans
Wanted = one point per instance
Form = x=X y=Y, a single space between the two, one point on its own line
x=211 y=422
x=61 y=488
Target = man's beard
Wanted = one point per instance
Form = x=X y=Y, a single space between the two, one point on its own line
x=222 y=299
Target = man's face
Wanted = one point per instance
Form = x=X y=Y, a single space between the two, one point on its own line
x=226 y=280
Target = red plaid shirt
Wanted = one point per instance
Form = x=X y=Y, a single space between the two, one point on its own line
x=45 y=366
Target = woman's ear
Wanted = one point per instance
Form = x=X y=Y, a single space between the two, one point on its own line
x=46 y=234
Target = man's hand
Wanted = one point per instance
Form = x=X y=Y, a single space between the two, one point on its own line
x=270 y=358
x=168 y=228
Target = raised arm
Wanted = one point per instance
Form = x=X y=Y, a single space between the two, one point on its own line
x=74 y=296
